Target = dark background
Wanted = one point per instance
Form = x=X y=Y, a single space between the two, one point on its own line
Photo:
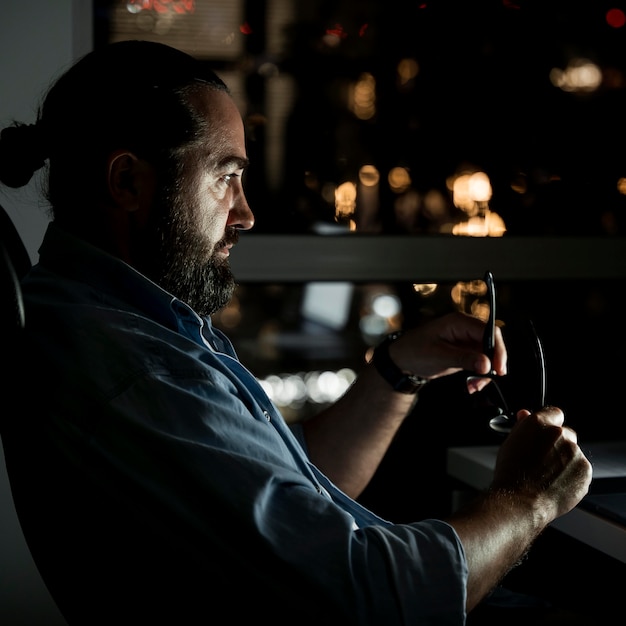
x=482 y=98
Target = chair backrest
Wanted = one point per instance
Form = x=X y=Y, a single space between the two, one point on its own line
x=12 y=309
x=13 y=244
x=24 y=597
x=14 y=263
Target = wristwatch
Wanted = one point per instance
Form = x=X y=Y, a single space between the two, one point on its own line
x=404 y=382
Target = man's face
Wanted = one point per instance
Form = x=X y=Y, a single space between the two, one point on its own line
x=201 y=209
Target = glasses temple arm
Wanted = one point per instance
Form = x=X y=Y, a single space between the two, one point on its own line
x=490 y=328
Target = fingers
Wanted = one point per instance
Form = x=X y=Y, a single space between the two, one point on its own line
x=461 y=339
x=548 y=416
x=570 y=435
x=546 y=432
x=476 y=360
x=551 y=415
x=447 y=345
x=500 y=355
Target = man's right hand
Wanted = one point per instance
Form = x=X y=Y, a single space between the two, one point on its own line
x=540 y=474
x=540 y=459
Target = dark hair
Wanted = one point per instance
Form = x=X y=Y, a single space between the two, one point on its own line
x=129 y=94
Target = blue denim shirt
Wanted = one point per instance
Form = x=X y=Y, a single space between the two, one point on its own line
x=158 y=396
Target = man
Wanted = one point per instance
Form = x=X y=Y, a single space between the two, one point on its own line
x=156 y=482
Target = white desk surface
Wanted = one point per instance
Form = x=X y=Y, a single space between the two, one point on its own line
x=473 y=465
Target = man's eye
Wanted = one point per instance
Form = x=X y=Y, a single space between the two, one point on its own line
x=227 y=178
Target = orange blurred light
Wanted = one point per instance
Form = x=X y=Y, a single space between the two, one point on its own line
x=407 y=70
x=399 y=179
x=488 y=225
x=369 y=176
x=345 y=200
x=362 y=99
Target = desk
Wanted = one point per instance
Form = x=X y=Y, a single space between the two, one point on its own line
x=474 y=465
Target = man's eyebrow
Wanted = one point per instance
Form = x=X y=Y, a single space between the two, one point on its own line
x=233 y=161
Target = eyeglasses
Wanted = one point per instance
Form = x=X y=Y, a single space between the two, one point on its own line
x=501 y=417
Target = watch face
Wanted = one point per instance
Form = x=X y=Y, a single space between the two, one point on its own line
x=406 y=385
x=412 y=384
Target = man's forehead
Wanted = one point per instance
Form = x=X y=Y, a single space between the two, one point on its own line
x=222 y=128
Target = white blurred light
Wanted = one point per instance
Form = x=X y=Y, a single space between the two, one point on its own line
x=373 y=325
x=579 y=75
x=294 y=390
x=386 y=305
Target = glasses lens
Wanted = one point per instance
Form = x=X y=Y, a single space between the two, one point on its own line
x=501 y=423
x=490 y=402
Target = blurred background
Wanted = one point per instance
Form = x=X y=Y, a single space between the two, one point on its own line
x=465 y=117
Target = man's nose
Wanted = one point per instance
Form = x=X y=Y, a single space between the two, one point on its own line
x=241 y=216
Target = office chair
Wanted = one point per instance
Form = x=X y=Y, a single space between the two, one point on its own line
x=12 y=312
x=14 y=263
x=13 y=244
x=24 y=598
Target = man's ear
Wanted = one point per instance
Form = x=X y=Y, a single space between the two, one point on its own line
x=125 y=179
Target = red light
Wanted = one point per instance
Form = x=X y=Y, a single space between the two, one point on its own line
x=338 y=31
x=163 y=6
x=615 y=18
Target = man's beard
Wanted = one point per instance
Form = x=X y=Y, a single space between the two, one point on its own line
x=205 y=285
x=177 y=259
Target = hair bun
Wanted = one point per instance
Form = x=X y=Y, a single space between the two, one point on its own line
x=21 y=154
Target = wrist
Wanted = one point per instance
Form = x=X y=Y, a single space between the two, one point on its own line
x=400 y=380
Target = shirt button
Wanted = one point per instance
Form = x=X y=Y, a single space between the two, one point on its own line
x=267 y=416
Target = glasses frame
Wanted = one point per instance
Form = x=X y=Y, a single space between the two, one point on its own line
x=505 y=419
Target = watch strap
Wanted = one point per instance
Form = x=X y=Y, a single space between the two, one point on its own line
x=401 y=381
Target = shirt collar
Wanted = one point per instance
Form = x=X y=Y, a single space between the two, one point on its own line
x=113 y=280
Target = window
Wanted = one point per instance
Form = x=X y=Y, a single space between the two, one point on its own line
x=447 y=118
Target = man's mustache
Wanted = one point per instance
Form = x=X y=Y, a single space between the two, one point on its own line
x=231 y=237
